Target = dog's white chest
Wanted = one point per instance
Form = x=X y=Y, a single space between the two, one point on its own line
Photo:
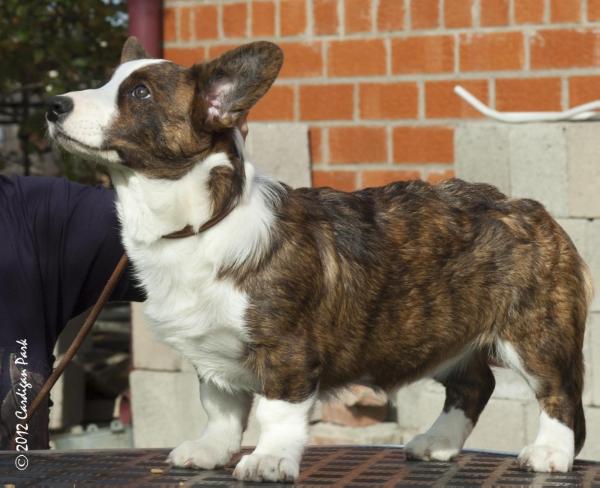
x=188 y=305
x=193 y=311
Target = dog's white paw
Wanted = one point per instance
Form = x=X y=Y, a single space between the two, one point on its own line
x=199 y=454
x=545 y=459
x=266 y=467
x=429 y=447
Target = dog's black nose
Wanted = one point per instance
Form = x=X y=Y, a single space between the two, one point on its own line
x=57 y=107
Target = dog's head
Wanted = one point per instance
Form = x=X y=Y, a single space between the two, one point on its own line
x=159 y=118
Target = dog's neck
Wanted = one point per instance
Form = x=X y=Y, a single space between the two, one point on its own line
x=150 y=208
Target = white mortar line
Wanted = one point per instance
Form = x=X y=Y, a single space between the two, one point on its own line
x=407 y=16
x=442 y=18
x=249 y=26
x=277 y=18
x=421 y=100
x=527 y=39
x=325 y=145
x=537 y=28
x=564 y=87
x=220 y=32
x=476 y=15
x=374 y=9
x=390 y=138
x=310 y=24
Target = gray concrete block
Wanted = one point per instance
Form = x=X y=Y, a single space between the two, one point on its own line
x=281 y=151
x=591 y=255
x=593 y=358
x=583 y=142
x=68 y=393
x=588 y=361
x=576 y=229
x=418 y=405
x=532 y=420
x=511 y=386
x=591 y=448
x=538 y=165
x=482 y=154
x=166 y=408
x=556 y=164
x=68 y=397
x=501 y=426
x=585 y=234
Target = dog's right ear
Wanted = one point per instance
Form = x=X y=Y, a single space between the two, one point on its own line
x=229 y=86
x=132 y=50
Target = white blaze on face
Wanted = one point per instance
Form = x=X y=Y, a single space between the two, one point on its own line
x=93 y=111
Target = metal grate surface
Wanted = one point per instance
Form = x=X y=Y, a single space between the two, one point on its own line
x=336 y=466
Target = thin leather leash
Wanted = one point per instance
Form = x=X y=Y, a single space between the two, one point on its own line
x=90 y=320
x=76 y=344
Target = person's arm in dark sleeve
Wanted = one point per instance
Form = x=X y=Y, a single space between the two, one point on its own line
x=93 y=241
x=76 y=235
x=59 y=243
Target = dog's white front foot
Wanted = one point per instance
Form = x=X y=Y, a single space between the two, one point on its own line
x=427 y=447
x=545 y=459
x=202 y=453
x=222 y=436
x=266 y=467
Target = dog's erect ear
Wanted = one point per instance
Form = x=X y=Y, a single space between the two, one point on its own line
x=132 y=50
x=229 y=86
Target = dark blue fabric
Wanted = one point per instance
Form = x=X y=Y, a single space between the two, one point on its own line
x=59 y=243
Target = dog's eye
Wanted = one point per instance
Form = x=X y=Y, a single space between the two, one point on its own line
x=141 y=91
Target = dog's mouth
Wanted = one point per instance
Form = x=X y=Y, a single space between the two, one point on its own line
x=70 y=144
x=61 y=136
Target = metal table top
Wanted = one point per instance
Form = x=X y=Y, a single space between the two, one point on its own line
x=335 y=466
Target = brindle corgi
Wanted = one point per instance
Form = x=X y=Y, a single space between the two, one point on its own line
x=295 y=292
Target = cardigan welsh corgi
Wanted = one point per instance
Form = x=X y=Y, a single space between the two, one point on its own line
x=291 y=293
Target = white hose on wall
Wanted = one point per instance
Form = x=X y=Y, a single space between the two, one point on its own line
x=587 y=111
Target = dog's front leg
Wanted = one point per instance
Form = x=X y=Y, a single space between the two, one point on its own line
x=284 y=433
x=222 y=437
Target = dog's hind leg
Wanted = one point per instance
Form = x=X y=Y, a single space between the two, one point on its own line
x=469 y=386
x=557 y=381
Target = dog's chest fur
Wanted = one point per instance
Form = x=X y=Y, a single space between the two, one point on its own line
x=189 y=306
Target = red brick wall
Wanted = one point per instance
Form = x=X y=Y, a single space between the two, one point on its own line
x=374 y=78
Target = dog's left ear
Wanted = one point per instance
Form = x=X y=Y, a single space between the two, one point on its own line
x=230 y=85
x=132 y=50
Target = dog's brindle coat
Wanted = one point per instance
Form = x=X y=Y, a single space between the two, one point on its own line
x=390 y=283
